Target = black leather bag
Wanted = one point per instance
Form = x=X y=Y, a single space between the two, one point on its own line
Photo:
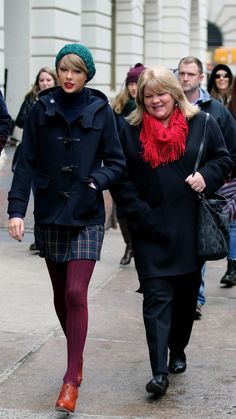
x=212 y=231
x=212 y=228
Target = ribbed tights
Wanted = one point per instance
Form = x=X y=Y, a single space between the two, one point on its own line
x=70 y=282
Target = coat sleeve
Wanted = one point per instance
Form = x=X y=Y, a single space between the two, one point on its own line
x=112 y=154
x=19 y=193
x=126 y=195
x=228 y=129
x=216 y=161
x=5 y=123
x=24 y=111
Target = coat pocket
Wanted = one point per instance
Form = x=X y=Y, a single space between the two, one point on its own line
x=87 y=204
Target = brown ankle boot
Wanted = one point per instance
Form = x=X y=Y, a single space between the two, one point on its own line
x=67 y=398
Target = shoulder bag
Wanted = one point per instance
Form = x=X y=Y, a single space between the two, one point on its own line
x=212 y=230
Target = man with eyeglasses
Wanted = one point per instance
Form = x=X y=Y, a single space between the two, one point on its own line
x=190 y=75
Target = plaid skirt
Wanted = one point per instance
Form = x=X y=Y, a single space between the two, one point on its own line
x=63 y=243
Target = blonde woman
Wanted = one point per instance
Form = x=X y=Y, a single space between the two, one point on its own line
x=160 y=143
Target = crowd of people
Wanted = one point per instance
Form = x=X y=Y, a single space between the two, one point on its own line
x=142 y=147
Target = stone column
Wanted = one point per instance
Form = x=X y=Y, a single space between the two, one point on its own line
x=96 y=35
x=129 y=36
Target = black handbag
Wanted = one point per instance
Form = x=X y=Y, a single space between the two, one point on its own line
x=213 y=226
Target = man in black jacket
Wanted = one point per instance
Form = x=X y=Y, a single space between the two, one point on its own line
x=190 y=75
x=5 y=123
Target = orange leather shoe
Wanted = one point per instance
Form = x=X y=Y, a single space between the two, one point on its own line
x=67 y=398
x=80 y=373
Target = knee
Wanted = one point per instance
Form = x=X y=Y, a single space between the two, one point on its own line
x=76 y=299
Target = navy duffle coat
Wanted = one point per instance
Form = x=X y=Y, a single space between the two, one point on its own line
x=63 y=158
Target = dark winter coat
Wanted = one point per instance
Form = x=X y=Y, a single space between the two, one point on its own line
x=24 y=110
x=161 y=207
x=5 y=123
x=224 y=119
x=63 y=158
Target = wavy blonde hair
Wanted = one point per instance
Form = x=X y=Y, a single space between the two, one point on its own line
x=120 y=100
x=160 y=79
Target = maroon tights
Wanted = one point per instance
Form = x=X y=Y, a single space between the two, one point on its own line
x=70 y=282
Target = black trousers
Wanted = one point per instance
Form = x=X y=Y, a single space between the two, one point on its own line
x=169 y=304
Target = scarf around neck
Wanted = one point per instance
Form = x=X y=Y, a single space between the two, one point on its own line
x=162 y=145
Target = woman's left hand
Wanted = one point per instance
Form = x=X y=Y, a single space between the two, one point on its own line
x=196 y=182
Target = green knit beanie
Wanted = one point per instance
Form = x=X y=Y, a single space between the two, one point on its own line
x=82 y=52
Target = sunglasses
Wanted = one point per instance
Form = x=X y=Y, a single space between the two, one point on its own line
x=221 y=76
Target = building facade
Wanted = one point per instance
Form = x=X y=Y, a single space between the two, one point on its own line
x=119 y=33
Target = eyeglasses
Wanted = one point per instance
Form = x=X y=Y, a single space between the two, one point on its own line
x=221 y=76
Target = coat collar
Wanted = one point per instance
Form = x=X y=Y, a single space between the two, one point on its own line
x=96 y=101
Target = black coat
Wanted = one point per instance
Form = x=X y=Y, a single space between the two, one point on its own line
x=24 y=110
x=63 y=158
x=224 y=119
x=161 y=207
x=5 y=123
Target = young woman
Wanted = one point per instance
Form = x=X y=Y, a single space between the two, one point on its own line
x=220 y=83
x=45 y=78
x=161 y=143
x=71 y=145
x=222 y=88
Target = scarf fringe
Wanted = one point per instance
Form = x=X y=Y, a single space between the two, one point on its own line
x=168 y=154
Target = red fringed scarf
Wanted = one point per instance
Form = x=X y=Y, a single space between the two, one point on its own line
x=163 y=144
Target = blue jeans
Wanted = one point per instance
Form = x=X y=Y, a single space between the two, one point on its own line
x=232 y=255
x=232 y=241
x=201 y=299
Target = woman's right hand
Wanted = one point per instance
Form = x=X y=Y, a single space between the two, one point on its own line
x=16 y=228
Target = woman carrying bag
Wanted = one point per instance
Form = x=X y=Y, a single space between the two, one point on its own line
x=161 y=142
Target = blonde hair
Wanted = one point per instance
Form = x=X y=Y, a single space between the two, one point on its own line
x=74 y=62
x=120 y=100
x=160 y=79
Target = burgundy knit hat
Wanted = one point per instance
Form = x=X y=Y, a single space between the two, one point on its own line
x=134 y=73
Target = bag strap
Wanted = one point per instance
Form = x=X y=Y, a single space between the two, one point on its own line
x=178 y=167
x=199 y=156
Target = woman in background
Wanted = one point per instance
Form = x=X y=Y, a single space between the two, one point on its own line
x=45 y=79
x=220 y=83
x=222 y=87
x=123 y=104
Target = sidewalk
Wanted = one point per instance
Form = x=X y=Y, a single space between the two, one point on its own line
x=116 y=369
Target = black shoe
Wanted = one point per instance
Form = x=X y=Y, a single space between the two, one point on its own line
x=229 y=278
x=177 y=363
x=33 y=248
x=126 y=259
x=158 y=385
x=198 y=312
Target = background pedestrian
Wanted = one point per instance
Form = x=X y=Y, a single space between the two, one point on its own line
x=123 y=104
